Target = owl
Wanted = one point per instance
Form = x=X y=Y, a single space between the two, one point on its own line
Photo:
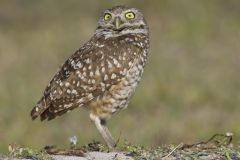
x=103 y=74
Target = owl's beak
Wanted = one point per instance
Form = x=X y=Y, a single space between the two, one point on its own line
x=117 y=22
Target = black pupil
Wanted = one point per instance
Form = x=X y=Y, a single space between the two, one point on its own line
x=107 y=16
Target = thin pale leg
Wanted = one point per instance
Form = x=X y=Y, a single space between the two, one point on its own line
x=102 y=128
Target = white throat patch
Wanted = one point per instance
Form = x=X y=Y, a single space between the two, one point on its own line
x=108 y=34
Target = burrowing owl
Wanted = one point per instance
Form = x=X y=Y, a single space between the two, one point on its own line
x=103 y=74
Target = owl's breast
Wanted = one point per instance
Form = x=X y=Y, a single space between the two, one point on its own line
x=119 y=64
x=118 y=95
x=127 y=86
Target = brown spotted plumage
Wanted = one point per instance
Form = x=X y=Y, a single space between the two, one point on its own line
x=101 y=75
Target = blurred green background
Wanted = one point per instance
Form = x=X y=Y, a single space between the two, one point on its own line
x=190 y=89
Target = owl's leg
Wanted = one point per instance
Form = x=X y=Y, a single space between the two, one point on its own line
x=111 y=140
x=102 y=128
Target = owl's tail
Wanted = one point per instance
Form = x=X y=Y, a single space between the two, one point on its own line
x=40 y=107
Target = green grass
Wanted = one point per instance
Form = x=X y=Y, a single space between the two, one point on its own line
x=189 y=91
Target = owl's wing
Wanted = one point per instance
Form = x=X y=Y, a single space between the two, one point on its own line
x=86 y=75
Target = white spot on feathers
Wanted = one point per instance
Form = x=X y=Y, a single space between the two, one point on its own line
x=67 y=84
x=74 y=91
x=97 y=72
x=68 y=91
x=87 y=61
x=103 y=69
x=90 y=96
x=113 y=76
x=109 y=64
x=91 y=74
x=79 y=65
x=80 y=100
x=105 y=77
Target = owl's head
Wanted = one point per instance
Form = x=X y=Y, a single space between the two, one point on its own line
x=121 y=20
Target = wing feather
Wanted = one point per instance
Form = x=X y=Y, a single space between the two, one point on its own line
x=86 y=75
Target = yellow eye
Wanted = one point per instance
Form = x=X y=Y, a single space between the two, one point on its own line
x=107 y=16
x=130 y=15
